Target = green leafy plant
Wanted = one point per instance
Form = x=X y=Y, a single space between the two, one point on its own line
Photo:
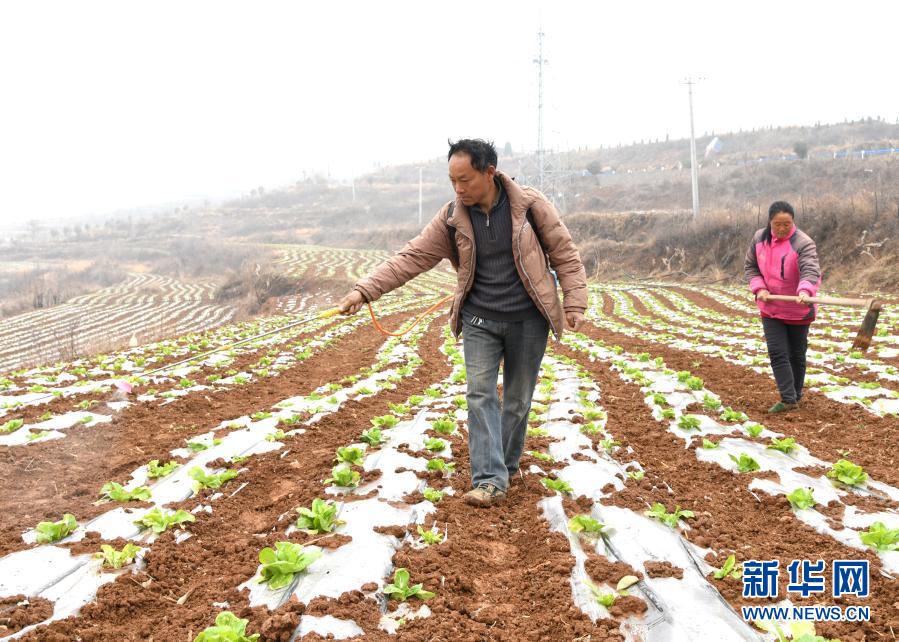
x=880 y=537
x=258 y=416
x=435 y=445
x=537 y=432
x=754 y=430
x=402 y=591
x=609 y=444
x=33 y=436
x=669 y=519
x=444 y=425
x=710 y=445
x=117 y=559
x=373 y=437
x=12 y=425
x=667 y=413
x=432 y=494
x=536 y=454
x=202 y=479
x=158 y=520
x=439 y=464
x=801 y=498
x=431 y=536
x=320 y=518
x=659 y=399
x=156 y=470
x=199 y=446
x=384 y=421
x=729 y=569
x=729 y=414
x=688 y=422
x=745 y=463
x=49 y=532
x=278 y=435
x=558 y=485
x=785 y=445
x=460 y=402
x=636 y=475
x=281 y=563
x=415 y=400
x=228 y=628
x=695 y=383
x=606 y=599
x=344 y=477
x=117 y=493
x=585 y=524
x=352 y=455
x=239 y=459
x=399 y=408
x=710 y=403
x=846 y=472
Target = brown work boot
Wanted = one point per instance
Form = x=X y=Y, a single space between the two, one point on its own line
x=484 y=496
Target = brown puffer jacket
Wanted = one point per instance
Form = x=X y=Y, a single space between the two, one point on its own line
x=433 y=244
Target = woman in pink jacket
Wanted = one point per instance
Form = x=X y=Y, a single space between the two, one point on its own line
x=783 y=260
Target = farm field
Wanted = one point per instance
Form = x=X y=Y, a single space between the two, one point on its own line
x=297 y=480
x=140 y=306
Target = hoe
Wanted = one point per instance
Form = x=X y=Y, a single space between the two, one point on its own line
x=863 y=338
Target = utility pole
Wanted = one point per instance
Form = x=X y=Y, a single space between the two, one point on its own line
x=540 y=61
x=694 y=169
x=419 y=196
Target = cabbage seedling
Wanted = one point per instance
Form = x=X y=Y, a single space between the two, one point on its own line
x=402 y=591
x=384 y=421
x=350 y=455
x=785 y=445
x=117 y=559
x=585 y=524
x=49 y=532
x=688 y=422
x=12 y=425
x=430 y=536
x=214 y=481
x=710 y=403
x=729 y=569
x=745 y=463
x=537 y=432
x=846 y=472
x=536 y=454
x=228 y=628
x=754 y=430
x=373 y=437
x=636 y=475
x=709 y=445
x=320 y=518
x=155 y=470
x=159 y=521
x=801 y=498
x=667 y=413
x=439 y=464
x=880 y=537
x=559 y=485
x=444 y=425
x=281 y=563
x=435 y=445
x=729 y=414
x=117 y=493
x=278 y=435
x=669 y=519
x=432 y=495
x=344 y=477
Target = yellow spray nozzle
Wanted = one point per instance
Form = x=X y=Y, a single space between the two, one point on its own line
x=327 y=314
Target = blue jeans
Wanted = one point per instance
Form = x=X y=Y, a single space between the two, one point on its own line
x=496 y=435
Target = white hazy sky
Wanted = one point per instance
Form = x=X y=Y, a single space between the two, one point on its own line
x=108 y=105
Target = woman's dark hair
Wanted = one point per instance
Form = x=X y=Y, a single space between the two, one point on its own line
x=777 y=207
x=482 y=152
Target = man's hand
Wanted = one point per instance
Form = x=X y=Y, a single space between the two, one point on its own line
x=762 y=295
x=351 y=303
x=574 y=320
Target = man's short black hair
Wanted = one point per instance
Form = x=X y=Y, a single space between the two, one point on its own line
x=780 y=206
x=481 y=152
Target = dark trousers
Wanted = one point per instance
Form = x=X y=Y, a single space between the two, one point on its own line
x=787 y=345
x=496 y=432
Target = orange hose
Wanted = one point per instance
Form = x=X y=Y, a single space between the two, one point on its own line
x=417 y=320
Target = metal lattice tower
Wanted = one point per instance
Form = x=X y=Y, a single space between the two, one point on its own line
x=540 y=61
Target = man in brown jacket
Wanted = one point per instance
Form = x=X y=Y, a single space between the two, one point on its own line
x=502 y=239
